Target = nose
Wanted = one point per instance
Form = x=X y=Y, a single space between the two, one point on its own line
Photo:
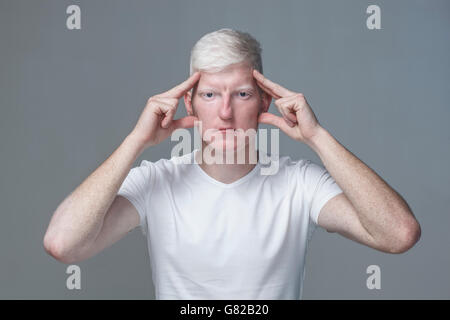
x=225 y=111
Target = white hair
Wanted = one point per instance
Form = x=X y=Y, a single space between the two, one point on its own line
x=219 y=49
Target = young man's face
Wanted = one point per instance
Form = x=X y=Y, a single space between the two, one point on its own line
x=227 y=99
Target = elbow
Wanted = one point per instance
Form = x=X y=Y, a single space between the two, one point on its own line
x=408 y=237
x=56 y=250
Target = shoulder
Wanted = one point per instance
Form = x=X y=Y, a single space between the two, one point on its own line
x=290 y=171
x=303 y=172
x=299 y=166
x=170 y=165
x=302 y=166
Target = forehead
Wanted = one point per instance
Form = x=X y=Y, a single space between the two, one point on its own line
x=237 y=75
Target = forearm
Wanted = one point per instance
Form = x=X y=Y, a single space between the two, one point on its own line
x=381 y=210
x=78 y=220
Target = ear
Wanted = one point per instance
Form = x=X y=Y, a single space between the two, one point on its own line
x=188 y=103
x=266 y=100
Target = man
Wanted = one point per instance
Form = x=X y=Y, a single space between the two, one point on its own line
x=225 y=231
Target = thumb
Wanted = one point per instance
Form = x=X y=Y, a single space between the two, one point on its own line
x=185 y=122
x=269 y=118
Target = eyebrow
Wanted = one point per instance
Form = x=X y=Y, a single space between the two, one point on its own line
x=244 y=87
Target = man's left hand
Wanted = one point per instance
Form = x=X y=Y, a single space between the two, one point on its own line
x=299 y=121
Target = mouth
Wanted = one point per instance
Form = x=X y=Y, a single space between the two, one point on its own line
x=225 y=129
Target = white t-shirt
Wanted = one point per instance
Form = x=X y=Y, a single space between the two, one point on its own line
x=243 y=240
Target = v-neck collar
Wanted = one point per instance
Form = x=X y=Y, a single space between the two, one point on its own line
x=241 y=180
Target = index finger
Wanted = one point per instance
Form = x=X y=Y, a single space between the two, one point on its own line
x=182 y=88
x=276 y=88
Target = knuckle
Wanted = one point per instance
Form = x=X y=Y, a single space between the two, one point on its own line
x=281 y=104
x=153 y=99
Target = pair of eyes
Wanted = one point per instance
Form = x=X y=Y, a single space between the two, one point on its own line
x=241 y=94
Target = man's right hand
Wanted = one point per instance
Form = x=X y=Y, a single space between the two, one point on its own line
x=156 y=122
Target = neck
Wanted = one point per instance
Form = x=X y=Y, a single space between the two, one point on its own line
x=227 y=172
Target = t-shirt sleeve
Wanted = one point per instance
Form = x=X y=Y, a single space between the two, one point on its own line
x=136 y=188
x=320 y=187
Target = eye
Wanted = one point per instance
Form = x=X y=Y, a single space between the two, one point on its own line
x=208 y=95
x=244 y=94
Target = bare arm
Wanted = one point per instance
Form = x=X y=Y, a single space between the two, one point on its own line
x=379 y=215
x=369 y=211
x=93 y=216
x=78 y=220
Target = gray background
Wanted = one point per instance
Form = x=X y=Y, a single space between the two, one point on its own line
x=69 y=97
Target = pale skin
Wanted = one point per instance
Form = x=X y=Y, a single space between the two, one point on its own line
x=93 y=216
x=234 y=102
x=369 y=211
